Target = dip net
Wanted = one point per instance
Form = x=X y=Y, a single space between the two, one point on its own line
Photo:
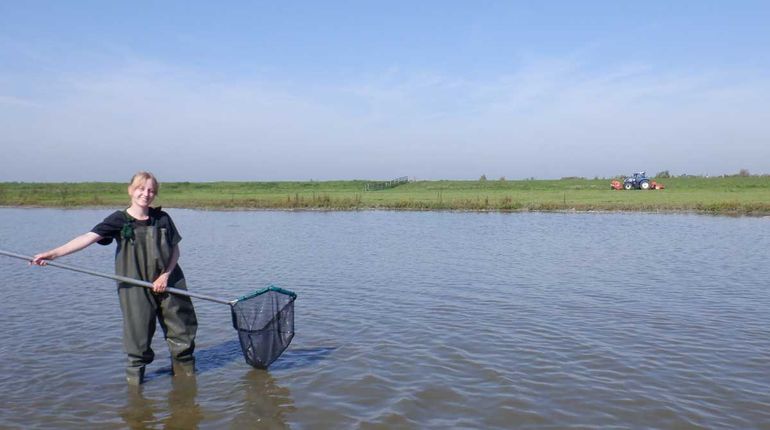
x=264 y=321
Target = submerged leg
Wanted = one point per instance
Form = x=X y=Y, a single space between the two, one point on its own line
x=179 y=323
x=139 y=313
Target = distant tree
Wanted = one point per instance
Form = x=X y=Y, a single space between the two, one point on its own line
x=483 y=178
x=744 y=172
x=502 y=179
x=664 y=174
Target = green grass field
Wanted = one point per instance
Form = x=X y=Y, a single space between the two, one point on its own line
x=744 y=195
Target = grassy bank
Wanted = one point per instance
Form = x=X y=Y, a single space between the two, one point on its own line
x=723 y=195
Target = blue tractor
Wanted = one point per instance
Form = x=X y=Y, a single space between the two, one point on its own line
x=639 y=181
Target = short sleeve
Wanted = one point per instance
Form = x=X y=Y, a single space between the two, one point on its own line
x=110 y=228
x=165 y=221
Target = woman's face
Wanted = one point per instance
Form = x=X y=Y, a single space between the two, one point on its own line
x=143 y=194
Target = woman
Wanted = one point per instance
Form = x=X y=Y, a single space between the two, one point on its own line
x=147 y=250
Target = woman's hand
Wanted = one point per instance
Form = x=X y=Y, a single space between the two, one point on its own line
x=160 y=284
x=42 y=258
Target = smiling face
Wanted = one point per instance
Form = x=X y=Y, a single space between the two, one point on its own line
x=143 y=192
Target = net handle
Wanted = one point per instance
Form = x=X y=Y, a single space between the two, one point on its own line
x=118 y=278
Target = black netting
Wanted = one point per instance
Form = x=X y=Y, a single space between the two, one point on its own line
x=265 y=325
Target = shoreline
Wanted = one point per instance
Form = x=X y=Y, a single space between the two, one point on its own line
x=659 y=211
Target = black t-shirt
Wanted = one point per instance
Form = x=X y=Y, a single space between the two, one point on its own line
x=111 y=227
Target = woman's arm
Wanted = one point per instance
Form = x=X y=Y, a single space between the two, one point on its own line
x=161 y=283
x=73 y=245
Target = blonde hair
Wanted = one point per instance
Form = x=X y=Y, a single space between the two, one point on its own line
x=139 y=178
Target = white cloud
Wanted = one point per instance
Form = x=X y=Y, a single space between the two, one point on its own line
x=550 y=118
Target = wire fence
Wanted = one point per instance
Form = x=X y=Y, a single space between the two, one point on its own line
x=384 y=185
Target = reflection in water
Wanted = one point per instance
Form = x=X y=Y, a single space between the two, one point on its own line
x=184 y=411
x=219 y=356
x=180 y=411
x=295 y=358
x=139 y=411
x=264 y=404
x=257 y=399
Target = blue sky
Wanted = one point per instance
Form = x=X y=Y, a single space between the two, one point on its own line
x=204 y=91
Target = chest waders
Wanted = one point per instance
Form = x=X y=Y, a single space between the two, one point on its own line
x=143 y=253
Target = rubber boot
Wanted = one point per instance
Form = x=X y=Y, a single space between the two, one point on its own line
x=183 y=368
x=135 y=375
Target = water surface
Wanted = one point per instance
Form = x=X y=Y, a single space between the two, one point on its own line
x=411 y=320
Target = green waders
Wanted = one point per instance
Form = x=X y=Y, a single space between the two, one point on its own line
x=144 y=257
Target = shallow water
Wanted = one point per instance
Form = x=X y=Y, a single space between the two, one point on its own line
x=410 y=320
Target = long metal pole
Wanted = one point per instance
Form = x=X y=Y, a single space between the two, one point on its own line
x=117 y=278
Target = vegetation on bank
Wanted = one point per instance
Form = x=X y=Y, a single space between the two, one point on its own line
x=749 y=195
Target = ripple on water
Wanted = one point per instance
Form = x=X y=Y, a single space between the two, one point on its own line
x=413 y=321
